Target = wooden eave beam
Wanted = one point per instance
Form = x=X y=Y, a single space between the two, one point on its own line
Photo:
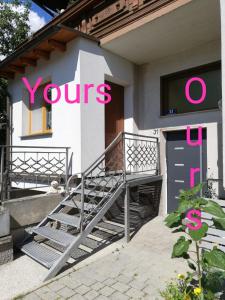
x=17 y=69
x=7 y=75
x=28 y=61
x=57 y=45
x=41 y=53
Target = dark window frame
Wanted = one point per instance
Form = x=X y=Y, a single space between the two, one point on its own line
x=164 y=81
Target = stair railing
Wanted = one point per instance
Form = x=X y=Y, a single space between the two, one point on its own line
x=102 y=178
x=105 y=180
x=127 y=154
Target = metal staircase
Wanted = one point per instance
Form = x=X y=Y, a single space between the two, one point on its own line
x=69 y=224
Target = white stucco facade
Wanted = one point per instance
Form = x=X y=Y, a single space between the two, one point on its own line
x=60 y=69
x=78 y=126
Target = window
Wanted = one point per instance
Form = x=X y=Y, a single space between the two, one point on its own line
x=40 y=114
x=173 y=100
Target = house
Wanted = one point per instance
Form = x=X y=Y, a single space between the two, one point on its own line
x=146 y=51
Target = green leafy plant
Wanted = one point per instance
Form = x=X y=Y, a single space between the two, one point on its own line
x=182 y=289
x=208 y=267
x=14 y=17
x=15 y=28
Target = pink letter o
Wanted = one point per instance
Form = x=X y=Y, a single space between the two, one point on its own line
x=49 y=86
x=187 y=90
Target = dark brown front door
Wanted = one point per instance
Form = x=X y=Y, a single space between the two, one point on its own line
x=114 y=122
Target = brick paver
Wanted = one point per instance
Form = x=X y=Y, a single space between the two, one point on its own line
x=66 y=293
x=107 y=291
x=83 y=289
x=120 y=287
x=119 y=296
x=97 y=286
x=56 y=286
x=92 y=295
x=135 y=294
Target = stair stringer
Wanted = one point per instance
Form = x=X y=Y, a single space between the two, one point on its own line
x=58 y=207
x=67 y=254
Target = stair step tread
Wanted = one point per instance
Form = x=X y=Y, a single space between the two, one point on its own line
x=72 y=220
x=90 y=243
x=138 y=208
x=101 y=183
x=41 y=254
x=112 y=227
x=72 y=203
x=93 y=193
x=58 y=236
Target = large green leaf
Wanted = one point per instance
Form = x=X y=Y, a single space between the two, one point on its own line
x=191 y=265
x=181 y=247
x=173 y=220
x=213 y=280
x=191 y=193
x=201 y=201
x=197 y=235
x=215 y=258
x=184 y=205
x=214 y=209
x=219 y=223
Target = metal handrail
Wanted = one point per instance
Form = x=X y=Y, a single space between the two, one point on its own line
x=35 y=147
x=122 y=136
x=140 y=135
x=75 y=175
x=103 y=154
x=122 y=133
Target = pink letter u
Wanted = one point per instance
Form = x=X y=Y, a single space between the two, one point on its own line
x=199 y=140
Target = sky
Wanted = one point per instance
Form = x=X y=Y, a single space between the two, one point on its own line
x=41 y=12
x=38 y=17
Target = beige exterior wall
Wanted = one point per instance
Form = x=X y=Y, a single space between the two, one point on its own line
x=151 y=123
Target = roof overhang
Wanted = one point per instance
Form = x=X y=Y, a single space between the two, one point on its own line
x=39 y=46
x=178 y=27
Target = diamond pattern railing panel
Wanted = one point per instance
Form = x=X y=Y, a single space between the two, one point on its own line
x=141 y=155
x=32 y=167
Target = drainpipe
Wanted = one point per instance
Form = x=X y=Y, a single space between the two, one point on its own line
x=9 y=125
x=222 y=17
x=8 y=137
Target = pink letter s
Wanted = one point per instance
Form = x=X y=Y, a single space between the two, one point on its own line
x=107 y=95
x=193 y=219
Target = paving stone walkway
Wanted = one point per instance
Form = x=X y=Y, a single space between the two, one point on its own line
x=135 y=271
